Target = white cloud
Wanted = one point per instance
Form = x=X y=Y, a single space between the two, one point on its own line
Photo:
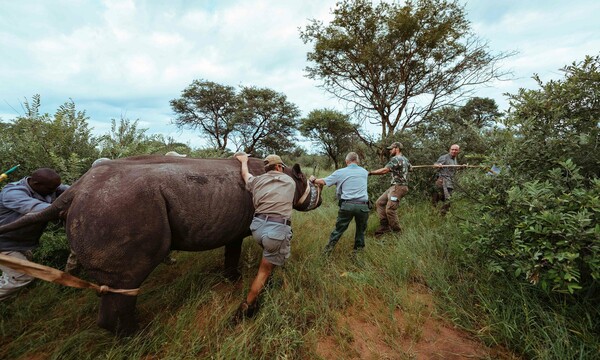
x=129 y=58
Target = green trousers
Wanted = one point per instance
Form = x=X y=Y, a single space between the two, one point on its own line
x=347 y=212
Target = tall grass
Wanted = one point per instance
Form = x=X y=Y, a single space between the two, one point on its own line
x=185 y=310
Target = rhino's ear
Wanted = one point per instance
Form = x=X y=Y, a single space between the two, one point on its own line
x=296 y=169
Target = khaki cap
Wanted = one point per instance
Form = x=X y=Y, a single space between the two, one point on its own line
x=273 y=160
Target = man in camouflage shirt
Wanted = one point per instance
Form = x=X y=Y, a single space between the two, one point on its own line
x=444 y=184
x=388 y=201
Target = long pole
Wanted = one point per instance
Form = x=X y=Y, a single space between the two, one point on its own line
x=458 y=166
x=4 y=175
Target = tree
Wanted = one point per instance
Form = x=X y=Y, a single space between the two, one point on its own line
x=62 y=142
x=558 y=121
x=398 y=63
x=210 y=107
x=266 y=121
x=331 y=131
x=465 y=125
x=126 y=140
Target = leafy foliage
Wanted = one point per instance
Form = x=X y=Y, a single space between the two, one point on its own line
x=210 y=107
x=126 y=139
x=547 y=232
x=267 y=122
x=398 y=63
x=256 y=120
x=331 y=131
x=62 y=142
x=557 y=122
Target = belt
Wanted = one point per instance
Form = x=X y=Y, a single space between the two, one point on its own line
x=356 y=202
x=276 y=219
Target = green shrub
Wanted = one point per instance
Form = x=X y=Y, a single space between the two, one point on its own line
x=54 y=247
x=545 y=232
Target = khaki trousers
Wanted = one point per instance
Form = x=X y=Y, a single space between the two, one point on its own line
x=11 y=281
x=388 y=203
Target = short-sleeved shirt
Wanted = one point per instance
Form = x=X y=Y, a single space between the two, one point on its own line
x=399 y=166
x=351 y=183
x=448 y=172
x=16 y=200
x=272 y=193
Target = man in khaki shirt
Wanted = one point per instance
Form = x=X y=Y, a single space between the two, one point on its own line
x=273 y=196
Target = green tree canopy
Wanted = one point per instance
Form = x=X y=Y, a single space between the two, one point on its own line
x=266 y=123
x=62 y=141
x=255 y=120
x=126 y=139
x=558 y=121
x=331 y=131
x=210 y=107
x=398 y=63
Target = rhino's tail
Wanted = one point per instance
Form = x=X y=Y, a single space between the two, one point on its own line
x=57 y=210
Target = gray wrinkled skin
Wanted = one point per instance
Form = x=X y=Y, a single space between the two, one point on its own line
x=123 y=217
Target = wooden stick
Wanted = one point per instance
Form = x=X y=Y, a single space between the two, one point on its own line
x=458 y=166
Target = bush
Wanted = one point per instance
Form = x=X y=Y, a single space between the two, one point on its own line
x=54 y=247
x=545 y=232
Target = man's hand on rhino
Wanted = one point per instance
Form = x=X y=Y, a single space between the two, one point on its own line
x=241 y=156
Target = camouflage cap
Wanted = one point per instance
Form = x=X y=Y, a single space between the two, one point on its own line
x=273 y=160
x=396 y=144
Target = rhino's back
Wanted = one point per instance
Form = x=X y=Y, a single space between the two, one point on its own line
x=199 y=203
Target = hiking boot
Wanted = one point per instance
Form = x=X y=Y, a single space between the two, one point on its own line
x=245 y=310
x=396 y=230
x=382 y=230
x=384 y=227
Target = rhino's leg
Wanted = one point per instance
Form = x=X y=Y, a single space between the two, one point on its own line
x=117 y=314
x=233 y=250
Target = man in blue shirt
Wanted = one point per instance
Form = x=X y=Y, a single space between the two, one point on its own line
x=31 y=194
x=353 y=198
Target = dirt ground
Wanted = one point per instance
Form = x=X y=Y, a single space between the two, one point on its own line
x=416 y=333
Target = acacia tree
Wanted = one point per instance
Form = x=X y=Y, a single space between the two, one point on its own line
x=331 y=131
x=266 y=121
x=210 y=107
x=398 y=63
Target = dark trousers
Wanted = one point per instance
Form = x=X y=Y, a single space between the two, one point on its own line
x=347 y=212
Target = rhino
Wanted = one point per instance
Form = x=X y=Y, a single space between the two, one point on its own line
x=123 y=216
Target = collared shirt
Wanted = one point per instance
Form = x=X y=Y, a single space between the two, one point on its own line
x=448 y=172
x=272 y=193
x=399 y=166
x=16 y=200
x=351 y=183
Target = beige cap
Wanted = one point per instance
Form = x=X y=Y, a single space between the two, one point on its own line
x=396 y=144
x=273 y=160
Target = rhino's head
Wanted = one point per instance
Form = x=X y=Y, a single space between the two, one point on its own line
x=307 y=196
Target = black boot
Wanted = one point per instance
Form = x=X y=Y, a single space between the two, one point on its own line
x=245 y=310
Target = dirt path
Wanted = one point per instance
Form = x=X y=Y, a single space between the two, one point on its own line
x=412 y=333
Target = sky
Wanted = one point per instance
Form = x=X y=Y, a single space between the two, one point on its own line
x=128 y=58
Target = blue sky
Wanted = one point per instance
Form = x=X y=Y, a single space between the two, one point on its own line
x=129 y=58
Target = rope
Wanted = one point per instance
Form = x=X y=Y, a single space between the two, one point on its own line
x=59 y=277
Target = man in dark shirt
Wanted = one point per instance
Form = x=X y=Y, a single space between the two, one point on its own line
x=444 y=184
x=28 y=195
